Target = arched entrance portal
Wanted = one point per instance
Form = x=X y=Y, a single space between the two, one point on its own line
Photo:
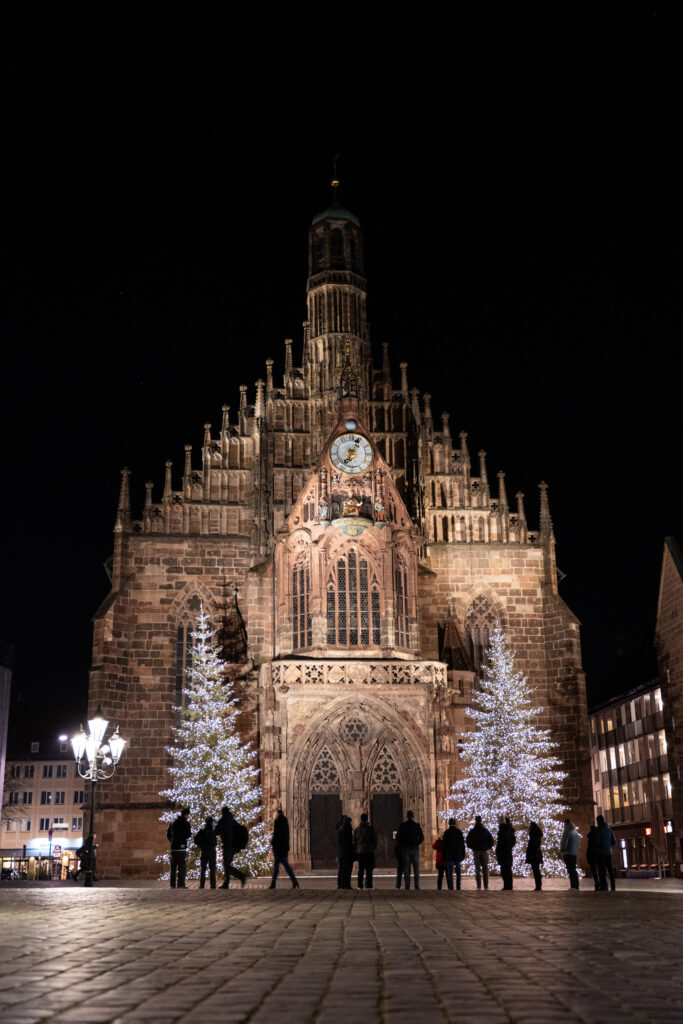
x=356 y=756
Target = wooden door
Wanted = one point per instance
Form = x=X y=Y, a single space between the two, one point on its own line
x=325 y=812
x=387 y=815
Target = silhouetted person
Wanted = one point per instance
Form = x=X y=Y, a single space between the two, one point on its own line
x=453 y=853
x=345 y=852
x=178 y=833
x=480 y=841
x=534 y=853
x=569 y=848
x=280 y=845
x=439 y=861
x=505 y=840
x=604 y=843
x=87 y=856
x=206 y=841
x=409 y=837
x=226 y=830
x=592 y=855
x=365 y=841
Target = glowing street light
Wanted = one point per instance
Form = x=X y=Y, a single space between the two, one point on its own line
x=95 y=761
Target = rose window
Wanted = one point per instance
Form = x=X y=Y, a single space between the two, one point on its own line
x=354 y=731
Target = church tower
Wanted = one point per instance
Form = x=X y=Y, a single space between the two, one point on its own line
x=355 y=562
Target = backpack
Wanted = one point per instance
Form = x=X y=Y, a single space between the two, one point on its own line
x=240 y=837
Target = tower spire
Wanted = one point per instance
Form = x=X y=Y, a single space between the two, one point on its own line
x=335 y=182
x=123 y=511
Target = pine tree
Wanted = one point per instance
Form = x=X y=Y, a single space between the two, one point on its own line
x=212 y=767
x=509 y=768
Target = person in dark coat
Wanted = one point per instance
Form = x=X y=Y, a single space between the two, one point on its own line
x=345 y=852
x=569 y=848
x=592 y=855
x=280 y=845
x=206 y=841
x=410 y=837
x=453 y=853
x=534 y=854
x=604 y=843
x=224 y=829
x=505 y=840
x=479 y=840
x=178 y=834
x=439 y=861
x=365 y=841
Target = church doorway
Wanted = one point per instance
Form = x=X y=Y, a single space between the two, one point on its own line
x=387 y=815
x=325 y=812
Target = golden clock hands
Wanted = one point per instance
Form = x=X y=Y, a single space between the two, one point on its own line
x=350 y=455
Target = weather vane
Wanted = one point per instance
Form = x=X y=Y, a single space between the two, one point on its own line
x=335 y=183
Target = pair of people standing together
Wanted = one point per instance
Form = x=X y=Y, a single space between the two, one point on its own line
x=355 y=844
x=450 y=853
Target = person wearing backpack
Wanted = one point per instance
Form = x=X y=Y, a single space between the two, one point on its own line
x=234 y=838
x=178 y=832
x=206 y=840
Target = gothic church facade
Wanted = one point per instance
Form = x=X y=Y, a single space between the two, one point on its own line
x=354 y=561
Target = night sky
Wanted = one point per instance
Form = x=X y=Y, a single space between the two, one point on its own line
x=522 y=219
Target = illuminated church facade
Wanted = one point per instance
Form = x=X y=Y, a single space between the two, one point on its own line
x=354 y=559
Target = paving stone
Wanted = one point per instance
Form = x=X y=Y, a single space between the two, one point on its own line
x=316 y=955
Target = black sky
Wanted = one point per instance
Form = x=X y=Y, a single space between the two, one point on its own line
x=521 y=204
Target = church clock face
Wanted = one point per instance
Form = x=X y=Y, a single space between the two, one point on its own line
x=351 y=453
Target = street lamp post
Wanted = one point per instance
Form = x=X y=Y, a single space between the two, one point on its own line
x=95 y=761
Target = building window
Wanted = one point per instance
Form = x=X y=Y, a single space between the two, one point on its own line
x=302 y=635
x=77 y=824
x=78 y=796
x=28 y=771
x=10 y=825
x=63 y=747
x=44 y=824
x=61 y=771
x=479 y=624
x=401 y=599
x=45 y=797
x=325 y=777
x=47 y=771
x=35 y=747
x=59 y=797
x=350 y=597
x=28 y=798
x=26 y=825
x=13 y=798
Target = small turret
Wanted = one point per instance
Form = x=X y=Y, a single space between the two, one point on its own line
x=260 y=406
x=404 y=382
x=269 y=377
x=225 y=425
x=288 y=358
x=168 y=484
x=429 y=424
x=243 y=409
x=386 y=367
x=123 y=510
x=502 y=493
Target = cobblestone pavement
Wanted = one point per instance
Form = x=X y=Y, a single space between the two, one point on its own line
x=123 y=955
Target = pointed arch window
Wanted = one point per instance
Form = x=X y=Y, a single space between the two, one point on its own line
x=184 y=630
x=479 y=623
x=302 y=633
x=385 y=777
x=325 y=777
x=401 y=601
x=353 y=606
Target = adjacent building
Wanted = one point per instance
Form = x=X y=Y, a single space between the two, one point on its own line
x=42 y=812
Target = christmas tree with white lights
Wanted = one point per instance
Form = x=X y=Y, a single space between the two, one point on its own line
x=509 y=768
x=212 y=767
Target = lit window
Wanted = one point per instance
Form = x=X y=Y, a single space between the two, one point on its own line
x=657 y=697
x=352 y=607
x=301 y=616
x=45 y=797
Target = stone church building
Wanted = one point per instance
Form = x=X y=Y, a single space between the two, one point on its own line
x=354 y=559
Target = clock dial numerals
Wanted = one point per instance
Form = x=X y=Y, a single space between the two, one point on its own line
x=351 y=453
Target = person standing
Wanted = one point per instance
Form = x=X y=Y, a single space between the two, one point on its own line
x=439 y=861
x=605 y=841
x=505 y=840
x=569 y=848
x=206 y=840
x=365 y=841
x=226 y=830
x=592 y=855
x=280 y=845
x=410 y=837
x=345 y=852
x=178 y=833
x=480 y=841
x=453 y=853
x=534 y=854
